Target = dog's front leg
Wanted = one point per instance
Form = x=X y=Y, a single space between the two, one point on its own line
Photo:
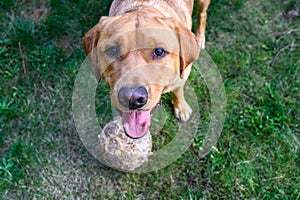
x=201 y=23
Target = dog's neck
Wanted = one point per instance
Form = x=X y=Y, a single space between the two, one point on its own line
x=163 y=8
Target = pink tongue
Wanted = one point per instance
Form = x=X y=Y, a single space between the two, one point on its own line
x=136 y=124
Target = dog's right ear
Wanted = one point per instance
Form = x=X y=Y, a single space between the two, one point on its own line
x=90 y=42
x=91 y=38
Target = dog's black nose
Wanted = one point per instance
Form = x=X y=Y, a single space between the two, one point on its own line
x=133 y=98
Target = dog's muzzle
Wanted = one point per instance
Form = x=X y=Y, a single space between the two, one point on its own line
x=135 y=121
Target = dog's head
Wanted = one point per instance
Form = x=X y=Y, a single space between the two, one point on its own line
x=139 y=56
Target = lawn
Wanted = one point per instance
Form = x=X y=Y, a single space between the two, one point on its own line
x=256 y=48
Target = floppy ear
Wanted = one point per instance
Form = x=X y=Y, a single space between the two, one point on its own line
x=188 y=47
x=90 y=42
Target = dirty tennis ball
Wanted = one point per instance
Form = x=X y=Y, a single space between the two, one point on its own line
x=121 y=152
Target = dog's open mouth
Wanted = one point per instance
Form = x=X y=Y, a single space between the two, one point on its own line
x=137 y=123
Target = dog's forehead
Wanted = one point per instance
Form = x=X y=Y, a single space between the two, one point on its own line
x=148 y=32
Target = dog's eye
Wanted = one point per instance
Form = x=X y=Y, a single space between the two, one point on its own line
x=112 y=52
x=159 y=53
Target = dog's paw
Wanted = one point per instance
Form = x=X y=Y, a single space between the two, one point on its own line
x=183 y=111
x=201 y=41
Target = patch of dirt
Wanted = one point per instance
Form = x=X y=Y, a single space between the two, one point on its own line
x=37 y=12
x=64 y=42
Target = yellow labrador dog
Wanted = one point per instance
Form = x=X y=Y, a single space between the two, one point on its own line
x=145 y=48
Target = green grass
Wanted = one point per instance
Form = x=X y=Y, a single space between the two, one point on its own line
x=256 y=46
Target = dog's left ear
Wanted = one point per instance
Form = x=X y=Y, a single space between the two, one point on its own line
x=189 y=48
